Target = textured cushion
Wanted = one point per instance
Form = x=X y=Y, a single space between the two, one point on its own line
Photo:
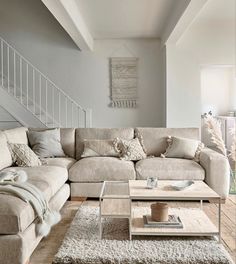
x=169 y=169
x=181 y=148
x=98 y=169
x=23 y=155
x=130 y=149
x=5 y=155
x=99 y=148
x=46 y=143
x=59 y=162
x=154 y=139
x=99 y=133
x=17 y=135
x=15 y=214
x=67 y=139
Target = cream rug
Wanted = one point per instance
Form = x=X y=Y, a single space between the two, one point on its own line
x=82 y=245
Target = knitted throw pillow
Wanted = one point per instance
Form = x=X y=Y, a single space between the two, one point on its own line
x=23 y=156
x=129 y=149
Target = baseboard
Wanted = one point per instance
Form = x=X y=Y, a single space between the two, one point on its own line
x=222 y=201
x=78 y=198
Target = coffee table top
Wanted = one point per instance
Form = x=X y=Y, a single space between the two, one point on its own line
x=198 y=191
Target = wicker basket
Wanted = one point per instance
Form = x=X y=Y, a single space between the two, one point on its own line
x=159 y=212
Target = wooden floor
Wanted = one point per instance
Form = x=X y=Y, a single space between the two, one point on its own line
x=48 y=247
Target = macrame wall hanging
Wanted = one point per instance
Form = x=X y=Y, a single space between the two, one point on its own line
x=124 y=80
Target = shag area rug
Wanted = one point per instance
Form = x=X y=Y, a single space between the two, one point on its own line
x=82 y=245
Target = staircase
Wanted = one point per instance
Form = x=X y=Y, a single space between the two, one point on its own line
x=32 y=98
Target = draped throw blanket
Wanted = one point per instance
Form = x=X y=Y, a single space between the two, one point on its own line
x=124 y=82
x=15 y=183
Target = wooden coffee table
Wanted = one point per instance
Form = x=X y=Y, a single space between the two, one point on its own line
x=119 y=204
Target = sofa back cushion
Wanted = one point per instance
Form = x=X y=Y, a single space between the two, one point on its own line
x=17 y=135
x=67 y=139
x=99 y=133
x=6 y=159
x=154 y=139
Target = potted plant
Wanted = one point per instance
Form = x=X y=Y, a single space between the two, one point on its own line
x=213 y=127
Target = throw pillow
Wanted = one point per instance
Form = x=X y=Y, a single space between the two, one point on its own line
x=129 y=149
x=183 y=148
x=99 y=148
x=23 y=156
x=46 y=144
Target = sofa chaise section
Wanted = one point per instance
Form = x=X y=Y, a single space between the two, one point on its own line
x=18 y=237
x=17 y=248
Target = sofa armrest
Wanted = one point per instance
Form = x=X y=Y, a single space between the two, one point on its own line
x=217 y=170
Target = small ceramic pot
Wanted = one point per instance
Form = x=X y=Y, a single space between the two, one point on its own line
x=159 y=212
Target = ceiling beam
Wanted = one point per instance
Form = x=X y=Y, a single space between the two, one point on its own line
x=69 y=16
x=183 y=22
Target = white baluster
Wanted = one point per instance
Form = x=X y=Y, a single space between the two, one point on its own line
x=78 y=118
x=27 y=86
x=14 y=59
x=40 y=97
x=66 y=111
x=59 y=108
x=2 y=60
x=34 y=103
x=21 y=84
x=53 y=111
x=72 y=117
x=8 y=74
x=85 y=118
x=46 y=97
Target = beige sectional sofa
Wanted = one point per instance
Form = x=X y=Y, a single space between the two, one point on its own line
x=85 y=176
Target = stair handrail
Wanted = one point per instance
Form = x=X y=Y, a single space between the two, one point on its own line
x=68 y=100
x=44 y=76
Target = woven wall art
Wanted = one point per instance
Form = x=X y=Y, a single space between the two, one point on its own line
x=124 y=80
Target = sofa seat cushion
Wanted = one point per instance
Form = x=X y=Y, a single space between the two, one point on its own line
x=97 y=169
x=15 y=214
x=169 y=169
x=59 y=162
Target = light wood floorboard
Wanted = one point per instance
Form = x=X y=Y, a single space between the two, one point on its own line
x=48 y=247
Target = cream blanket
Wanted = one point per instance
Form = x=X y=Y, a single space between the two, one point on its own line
x=15 y=183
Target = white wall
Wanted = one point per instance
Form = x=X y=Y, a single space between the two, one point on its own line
x=6 y=120
x=183 y=99
x=94 y=84
x=208 y=41
x=31 y=28
x=218 y=90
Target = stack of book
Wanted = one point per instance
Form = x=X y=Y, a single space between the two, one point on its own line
x=173 y=222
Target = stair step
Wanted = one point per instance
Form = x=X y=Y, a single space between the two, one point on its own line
x=51 y=125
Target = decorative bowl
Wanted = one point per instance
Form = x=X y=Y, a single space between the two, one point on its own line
x=181 y=185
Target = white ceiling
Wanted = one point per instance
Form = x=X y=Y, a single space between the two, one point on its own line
x=127 y=18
